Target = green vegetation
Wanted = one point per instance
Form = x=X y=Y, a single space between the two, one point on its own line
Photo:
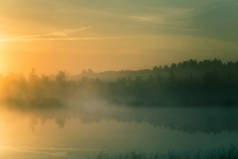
x=223 y=153
x=190 y=83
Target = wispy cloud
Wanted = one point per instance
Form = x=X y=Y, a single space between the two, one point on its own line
x=62 y=34
x=66 y=34
x=150 y=19
x=61 y=38
x=167 y=18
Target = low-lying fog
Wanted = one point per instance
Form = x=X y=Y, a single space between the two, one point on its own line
x=55 y=118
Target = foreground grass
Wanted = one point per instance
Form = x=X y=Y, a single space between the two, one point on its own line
x=222 y=153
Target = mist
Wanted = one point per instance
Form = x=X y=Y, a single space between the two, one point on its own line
x=93 y=97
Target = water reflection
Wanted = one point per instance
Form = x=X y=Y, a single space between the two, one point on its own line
x=115 y=129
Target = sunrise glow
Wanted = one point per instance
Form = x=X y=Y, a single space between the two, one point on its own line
x=118 y=79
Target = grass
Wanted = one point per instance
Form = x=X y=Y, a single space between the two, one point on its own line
x=221 y=153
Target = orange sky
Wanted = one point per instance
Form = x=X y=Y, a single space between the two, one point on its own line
x=109 y=35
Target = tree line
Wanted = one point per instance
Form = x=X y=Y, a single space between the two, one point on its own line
x=190 y=83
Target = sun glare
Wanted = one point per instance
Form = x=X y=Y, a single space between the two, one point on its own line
x=2 y=39
x=1 y=57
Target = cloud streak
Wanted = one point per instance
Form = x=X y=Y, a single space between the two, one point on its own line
x=67 y=34
x=64 y=35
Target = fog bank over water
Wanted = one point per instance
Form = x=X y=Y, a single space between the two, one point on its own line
x=211 y=120
x=159 y=110
x=192 y=96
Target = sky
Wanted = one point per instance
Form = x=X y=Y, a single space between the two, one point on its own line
x=73 y=35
